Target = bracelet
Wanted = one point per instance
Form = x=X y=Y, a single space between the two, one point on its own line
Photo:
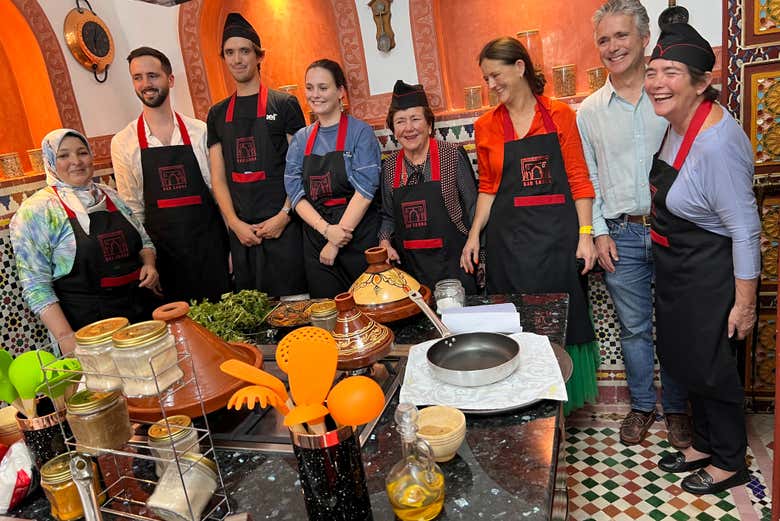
x=325 y=231
x=586 y=230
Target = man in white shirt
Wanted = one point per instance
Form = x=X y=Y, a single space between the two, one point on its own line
x=161 y=167
x=620 y=133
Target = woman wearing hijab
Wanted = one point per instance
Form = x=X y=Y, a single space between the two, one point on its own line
x=535 y=201
x=80 y=254
x=428 y=194
x=331 y=177
x=705 y=233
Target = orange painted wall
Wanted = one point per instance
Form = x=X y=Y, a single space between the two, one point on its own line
x=26 y=95
x=294 y=34
x=14 y=132
x=465 y=26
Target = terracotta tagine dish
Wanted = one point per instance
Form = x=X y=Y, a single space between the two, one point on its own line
x=207 y=351
x=361 y=340
x=381 y=292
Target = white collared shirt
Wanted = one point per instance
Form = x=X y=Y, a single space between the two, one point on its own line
x=126 y=158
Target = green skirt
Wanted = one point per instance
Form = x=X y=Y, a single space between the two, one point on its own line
x=582 y=386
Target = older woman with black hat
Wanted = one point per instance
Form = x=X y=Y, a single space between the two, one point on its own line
x=428 y=194
x=705 y=233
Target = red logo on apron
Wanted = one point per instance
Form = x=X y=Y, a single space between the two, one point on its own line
x=113 y=245
x=172 y=177
x=415 y=214
x=319 y=186
x=536 y=171
x=245 y=150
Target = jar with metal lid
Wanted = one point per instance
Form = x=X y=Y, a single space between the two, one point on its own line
x=169 y=501
x=179 y=435
x=449 y=293
x=323 y=314
x=99 y=420
x=93 y=350
x=142 y=353
x=61 y=491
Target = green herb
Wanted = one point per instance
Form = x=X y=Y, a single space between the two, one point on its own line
x=235 y=317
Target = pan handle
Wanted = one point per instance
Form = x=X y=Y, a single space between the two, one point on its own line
x=418 y=299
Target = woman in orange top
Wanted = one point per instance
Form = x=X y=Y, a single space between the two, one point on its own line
x=535 y=199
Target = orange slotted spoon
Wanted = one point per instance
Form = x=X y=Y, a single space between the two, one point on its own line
x=302 y=334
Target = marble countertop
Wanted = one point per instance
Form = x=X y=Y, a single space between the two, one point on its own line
x=504 y=470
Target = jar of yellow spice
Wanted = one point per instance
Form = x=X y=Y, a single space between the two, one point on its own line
x=57 y=483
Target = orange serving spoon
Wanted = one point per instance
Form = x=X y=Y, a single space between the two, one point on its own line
x=309 y=413
x=355 y=400
x=312 y=358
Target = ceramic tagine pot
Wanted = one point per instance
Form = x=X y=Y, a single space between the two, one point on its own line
x=381 y=292
x=361 y=340
x=207 y=351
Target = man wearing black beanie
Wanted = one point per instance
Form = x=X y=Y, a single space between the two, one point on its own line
x=248 y=135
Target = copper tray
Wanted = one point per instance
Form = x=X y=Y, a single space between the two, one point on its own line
x=392 y=311
x=214 y=390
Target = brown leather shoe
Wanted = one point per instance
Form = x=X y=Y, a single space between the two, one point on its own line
x=635 y=426
x=678 y=428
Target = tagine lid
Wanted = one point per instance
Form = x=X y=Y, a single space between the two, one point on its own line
x=361 y=340
x=381 y=283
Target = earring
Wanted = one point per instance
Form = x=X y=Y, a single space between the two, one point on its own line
x=341 y=104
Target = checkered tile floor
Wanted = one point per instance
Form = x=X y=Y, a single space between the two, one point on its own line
x=611 y=481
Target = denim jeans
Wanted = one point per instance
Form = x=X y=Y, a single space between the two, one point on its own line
x=631 y=290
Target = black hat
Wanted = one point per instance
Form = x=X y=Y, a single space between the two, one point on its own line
x=406 y=96
x=236 y=25
x=680 y=42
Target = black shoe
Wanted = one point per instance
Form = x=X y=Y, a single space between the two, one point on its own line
x=676 y=463
x=700 y=482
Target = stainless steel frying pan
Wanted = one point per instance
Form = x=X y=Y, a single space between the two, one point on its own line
x=469 y=359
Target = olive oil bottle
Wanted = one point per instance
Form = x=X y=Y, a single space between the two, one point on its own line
x=415 y=485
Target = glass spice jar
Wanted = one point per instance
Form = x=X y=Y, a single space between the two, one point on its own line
x=449 y=293
x=179 y=435
x=564 y=80
x=61 y=491
x=93 y=351
x=99 y=420
x=142 y=353
x=169 y=501
x=323 y=315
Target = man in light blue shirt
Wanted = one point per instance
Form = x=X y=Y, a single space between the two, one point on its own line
x=620 y=133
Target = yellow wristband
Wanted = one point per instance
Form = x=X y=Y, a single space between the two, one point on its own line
x=586 y=230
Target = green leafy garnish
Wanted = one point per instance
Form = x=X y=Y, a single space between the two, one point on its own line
x=236 y=317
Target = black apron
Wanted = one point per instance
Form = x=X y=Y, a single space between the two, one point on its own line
x=694 y=286
x=328 y=190
x=255 y=177
x=183 y=221
x=103 y=282
x=533 y=230
x=426 y=239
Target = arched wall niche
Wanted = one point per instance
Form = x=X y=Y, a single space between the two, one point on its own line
x=294 y=38
x=557 y=21
x=36 y=69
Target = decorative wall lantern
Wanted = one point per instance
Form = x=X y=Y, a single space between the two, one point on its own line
x=385 y=38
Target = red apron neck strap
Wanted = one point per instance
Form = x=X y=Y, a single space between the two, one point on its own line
x=312 y=138
x=433 y=150
x=68 y=211
x=341 y=137
x=141 y=129
x=509 y=128
x=693 y=130
x=110 y=206
x=185 y=136
x=399 y=167
x=262 y=104
x=549 y=124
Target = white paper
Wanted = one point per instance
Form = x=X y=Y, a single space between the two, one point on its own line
x=538 y=377
x=488 y=318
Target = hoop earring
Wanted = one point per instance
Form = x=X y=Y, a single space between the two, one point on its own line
x=341 y=104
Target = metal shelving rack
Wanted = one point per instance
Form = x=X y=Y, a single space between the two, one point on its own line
x=126 y=495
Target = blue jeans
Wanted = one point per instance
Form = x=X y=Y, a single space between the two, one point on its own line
x=631 y=290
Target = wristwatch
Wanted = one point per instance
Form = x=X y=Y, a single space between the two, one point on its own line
x=287 y=209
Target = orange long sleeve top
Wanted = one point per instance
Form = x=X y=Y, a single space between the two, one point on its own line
x=489 y=138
